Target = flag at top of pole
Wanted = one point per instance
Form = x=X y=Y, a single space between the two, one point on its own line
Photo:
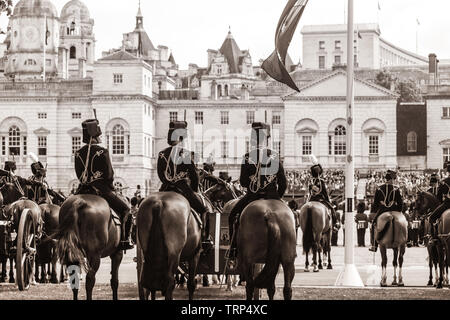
x=350 y=277
x=275 y=65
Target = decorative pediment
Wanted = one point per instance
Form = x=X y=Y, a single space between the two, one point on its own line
x=42 y=132
x=373 y=130
x=445 y=142
x=306 y=130
x=75 y=131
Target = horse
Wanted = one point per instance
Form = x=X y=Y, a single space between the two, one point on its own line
x=316 y=225
x=167 y=234
x=433 y=255
x=267 y=235
x=395 y=228
x=88 y=231
x=425 y=203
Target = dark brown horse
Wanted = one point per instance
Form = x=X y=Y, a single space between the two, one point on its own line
x=267 y=236
x=87 y=231
x=425 y=203
x=168 y=234
x=316 y=225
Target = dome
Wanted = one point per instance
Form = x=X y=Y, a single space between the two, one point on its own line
x=75 y=8
x=35 y=8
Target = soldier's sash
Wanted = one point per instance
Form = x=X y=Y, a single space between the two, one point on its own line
x=361 y=224
x=416 y=224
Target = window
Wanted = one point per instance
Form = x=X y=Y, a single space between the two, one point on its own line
x=48 y=62
x=330 y=145
x=307 y=145
x=24 y=145
x=355 y=60
x=173 y=116
x=73 y=52
x=373 y=146
x=224 y=117
x=198 y=117
x=153 y=114
x=118 y=78
x=321 y=45
x=30 y=62
x=42 y=115
x=337 y=59
x=199 y=149
x=250 y=117
x=225 y=148
x=42 y=146
x=446 y=112
x=446 y=155
x=76 y=115
x=219 y=90
x=118 y=140
x=340 y=141
x=153 y=148
x=14 y=141
x=277 y=147
x=247 y=145
x=3 y=146
x=276 y=117
x=219 y=69
x=411 y=142
x=76 y=144
x=321 y=62
x=337 y=45
x=226 y=90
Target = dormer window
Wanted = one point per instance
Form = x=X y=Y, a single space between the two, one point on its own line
x=30 y=62
x=219 y=69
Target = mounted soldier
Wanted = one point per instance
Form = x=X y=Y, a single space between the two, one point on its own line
x=318 y=189
x=262 y=174
x=178 y=173
x=443 y=196
x=434 y=185
x=94 y=170
x=387 y=198
x=8 y=176
x=40 y=193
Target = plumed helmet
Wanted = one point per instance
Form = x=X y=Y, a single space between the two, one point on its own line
x=224 y=176
x=316 y=169
x=434 y=178
x=209 y=167
x=260 y=132
x=10 y=166
x=391 y=175
x=36 y=167
x=91 y=129
x=177 y=132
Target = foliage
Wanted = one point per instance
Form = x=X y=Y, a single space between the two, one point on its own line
x=385 y=79
x=6 y=6
x=408 y=90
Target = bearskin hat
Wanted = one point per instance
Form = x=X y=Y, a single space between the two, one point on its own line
x=91 y=129
x=391 y=175
x=260 y=132
x=177 y=132
x=10 y=166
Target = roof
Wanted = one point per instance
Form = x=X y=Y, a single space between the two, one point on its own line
x=172 y=59
x=119 y=55
x=409 y=53
x=35 y=8
x=232 y=53
x=82 y=13
x=340 y=28
x=147 y=44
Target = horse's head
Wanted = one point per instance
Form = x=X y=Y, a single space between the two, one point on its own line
x=425 y=202
x=220 y=193
x=10 y=193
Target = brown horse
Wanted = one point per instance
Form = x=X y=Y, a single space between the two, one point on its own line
x=316 y=225
x=395 y=228
x=267 y=235
x=168 y=234
x=427 y=202
x=87 y=230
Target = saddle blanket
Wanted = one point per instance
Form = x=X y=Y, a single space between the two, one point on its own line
x=115 y=218
x=197 y=218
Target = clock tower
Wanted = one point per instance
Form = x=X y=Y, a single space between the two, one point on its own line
x=34 y=29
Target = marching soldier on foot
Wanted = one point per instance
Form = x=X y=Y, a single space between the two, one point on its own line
x=262 y=174
x=94 y=170
x=387 y=198
x=443 y=196
x=178 y=173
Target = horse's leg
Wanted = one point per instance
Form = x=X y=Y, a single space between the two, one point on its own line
x=43 y=274
x=289 y=274
x=315 y=250
x=153 y=295
x=330 y=266
x=395 y=264
x=440 y=251
x=3 y=274
x=249 y=286
x=229 y=284
x=36 y=272
x=320 y=259
x=170 y=278
x=11 y=270
x=400 y=263
x=94 y=264
x=436 y=273
x=306 y=262
x=54 y=275
x=192 y=284
x=383 y=266
x=116 y=259
x=430 y=265
x=205 y=280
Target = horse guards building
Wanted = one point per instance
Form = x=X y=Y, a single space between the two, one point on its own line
x=138 y=88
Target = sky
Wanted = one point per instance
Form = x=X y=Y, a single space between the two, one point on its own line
x=190 y=28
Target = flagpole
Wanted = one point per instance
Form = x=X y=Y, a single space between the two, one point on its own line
x=417 y=36
x=350 y=277
x=45 y=54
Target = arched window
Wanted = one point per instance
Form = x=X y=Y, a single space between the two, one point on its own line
x=340 y=141
x=219 y=90
x=118 y=140
x=72 y=28
x=14 y=141
x=226 y=90
x=73 y=52
x=412 y=141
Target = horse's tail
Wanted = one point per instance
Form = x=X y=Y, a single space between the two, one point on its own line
x=156 y=259
x=383 y=232
x=68 y=247
x=308 y=237
x=267 y=276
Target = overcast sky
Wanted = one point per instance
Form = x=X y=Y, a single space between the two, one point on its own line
x=189 y=28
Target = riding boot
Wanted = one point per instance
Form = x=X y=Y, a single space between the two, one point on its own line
x=207 y=243
x=233 y=246
x=125 y=241
x=374 y=244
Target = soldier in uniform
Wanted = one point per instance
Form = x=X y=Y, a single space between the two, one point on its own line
x=434 y=185
x=387 y=198
x=94 y=170
x=262 y=174
x=361 y=220
x=178 y=173
x=443 y=196
x=8 y=176
x=207 y=178
x=318 y=189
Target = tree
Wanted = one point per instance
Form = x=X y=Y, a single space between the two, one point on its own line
x=385 y=79
x=5 y=6
x=409 y=91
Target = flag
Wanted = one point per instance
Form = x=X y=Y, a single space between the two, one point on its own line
x=275 y=65
x=359 y=35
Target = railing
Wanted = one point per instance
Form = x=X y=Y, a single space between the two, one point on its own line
x=45 y=88
x=179 y=95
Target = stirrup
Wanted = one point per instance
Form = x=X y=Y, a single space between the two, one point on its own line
x=125 y=245
x=373 y=249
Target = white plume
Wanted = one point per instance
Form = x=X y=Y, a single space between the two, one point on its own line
x=314 y=160
x=33 y=157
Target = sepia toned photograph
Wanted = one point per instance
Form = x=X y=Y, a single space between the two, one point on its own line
x=248 y=150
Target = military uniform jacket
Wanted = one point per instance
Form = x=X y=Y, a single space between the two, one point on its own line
x=387 y=198
x=100 y=173
x=181 y=171
x=9 y=178
x=318 y=190
x=443 y=193
x=434 y=190
x=265 y=176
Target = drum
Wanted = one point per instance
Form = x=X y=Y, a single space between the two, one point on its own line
x=361 y=224
x=416 y=224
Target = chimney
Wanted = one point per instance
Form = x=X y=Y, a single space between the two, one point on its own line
x=433 y=69
x=211 y=54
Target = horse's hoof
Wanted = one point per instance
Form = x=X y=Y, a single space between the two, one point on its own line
x=394 y=283
x=54 y=281
x=439 y=286
x=320 y=267
x=12 y=280
x=401 y=284
x=316 y=270
x=330 y=267
x=2 y=280
x=306 y=269
x=383 y=285
x=430 y=283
